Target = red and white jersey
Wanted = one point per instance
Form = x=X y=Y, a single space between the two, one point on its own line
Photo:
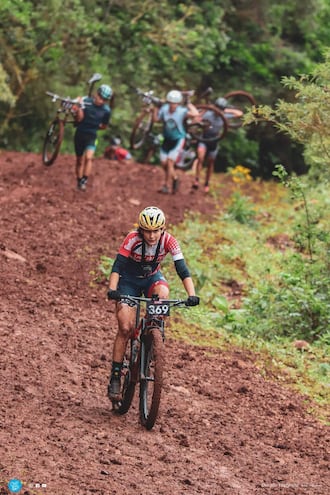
x=132 y=248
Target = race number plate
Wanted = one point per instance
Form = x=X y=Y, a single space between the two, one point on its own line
x=158 y=308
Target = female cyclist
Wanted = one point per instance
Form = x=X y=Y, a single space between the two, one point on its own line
x=136 y=272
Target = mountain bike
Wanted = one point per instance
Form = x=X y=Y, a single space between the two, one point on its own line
x=144 y=358
x=64 y=115
x=143 y=124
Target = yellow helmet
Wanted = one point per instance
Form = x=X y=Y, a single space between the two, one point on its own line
x=151 y=218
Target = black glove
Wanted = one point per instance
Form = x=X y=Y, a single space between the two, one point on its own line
x=192 y=301
x=114 y=294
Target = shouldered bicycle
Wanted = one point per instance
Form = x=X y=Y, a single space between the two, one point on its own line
x=64 y=115
x=144 y=357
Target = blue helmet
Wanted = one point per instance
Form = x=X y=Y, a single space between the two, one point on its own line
x=105 y=92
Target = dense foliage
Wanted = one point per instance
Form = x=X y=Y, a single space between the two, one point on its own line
x=57 y=44
x=305 y=119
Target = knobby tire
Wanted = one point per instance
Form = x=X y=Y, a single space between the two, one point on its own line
x=142 y=127
x=130 y=379
x=53 y=142
x=152 y=382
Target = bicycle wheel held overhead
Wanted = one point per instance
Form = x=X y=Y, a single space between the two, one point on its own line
x=52 y=142
x=201 y=129
x=242 y=100
x=152 y=380
x=141 y=129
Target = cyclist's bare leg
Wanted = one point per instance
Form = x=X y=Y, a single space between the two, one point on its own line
x=171 y=170
x=89 y=154
x=126 y=321
x=209 y=170
x=160 y=288
x=201 y=152
x=170 y=174
x=79 y=167
x=165 y=168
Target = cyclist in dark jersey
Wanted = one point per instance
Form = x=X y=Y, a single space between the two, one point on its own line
x=207 y=152
x=95 y=116
x=136 y=271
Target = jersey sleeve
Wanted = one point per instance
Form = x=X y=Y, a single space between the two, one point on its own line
x=173 y=247
x=127 y=245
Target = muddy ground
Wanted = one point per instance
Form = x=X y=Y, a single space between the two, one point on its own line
x=223 y=428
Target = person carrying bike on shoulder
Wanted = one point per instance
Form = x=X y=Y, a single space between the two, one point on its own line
x=173 y=116
x=136 y=272
x=95 y=116
x=208 y=151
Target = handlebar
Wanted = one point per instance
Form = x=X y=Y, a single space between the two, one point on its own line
x=66 y=102
x=148 y=98
x=56 y=97
x=137 y=300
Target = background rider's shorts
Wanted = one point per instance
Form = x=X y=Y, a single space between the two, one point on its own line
x=171 y=149
x=83 y=142
x=135 y=286
x=212 y=148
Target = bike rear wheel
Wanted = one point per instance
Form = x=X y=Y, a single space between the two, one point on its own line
x=151 y=380
x=129 y=379
x=141 y=129
x=52 y=142
x=198 y=128
x=242 y=100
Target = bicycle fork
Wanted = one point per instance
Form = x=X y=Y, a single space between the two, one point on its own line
x=159 y=326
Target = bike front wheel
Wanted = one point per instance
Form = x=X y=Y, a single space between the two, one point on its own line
x=129 y=379
x=201 y=128
x=151 y=380
x=141 y=129
x=52 y=142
